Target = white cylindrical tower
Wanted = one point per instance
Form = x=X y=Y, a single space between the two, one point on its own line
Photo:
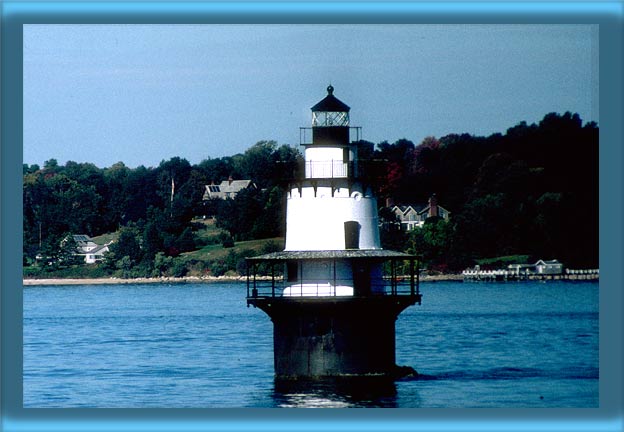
x=330 y=209
x=330 y=205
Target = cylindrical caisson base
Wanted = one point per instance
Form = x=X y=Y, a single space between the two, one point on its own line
x=321 y=337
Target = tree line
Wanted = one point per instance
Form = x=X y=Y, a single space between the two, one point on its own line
x=152 y=208
x=532 y=190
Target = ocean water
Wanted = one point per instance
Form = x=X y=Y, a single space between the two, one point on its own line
x=499 y=345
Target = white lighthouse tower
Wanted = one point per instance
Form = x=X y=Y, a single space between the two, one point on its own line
x=330 y=209
x=333 y=293
x=330 y=194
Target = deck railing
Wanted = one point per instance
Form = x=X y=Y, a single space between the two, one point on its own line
x=273 y=285
x=328 y=169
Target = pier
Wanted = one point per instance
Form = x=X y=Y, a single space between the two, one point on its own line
x=511 y=275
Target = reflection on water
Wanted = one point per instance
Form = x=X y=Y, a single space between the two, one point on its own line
x=336 y=392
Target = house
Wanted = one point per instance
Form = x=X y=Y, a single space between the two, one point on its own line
x=227 y=189
x=414 y=216
x=84 y=243
x=91 y=251
x=409 y=216
x=548 y=267
x=96 y=254
x=552 y=267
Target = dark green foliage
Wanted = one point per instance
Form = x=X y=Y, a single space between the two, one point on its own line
x=253 y=214
x=391 y=235
x=532 y=191
x=75 y=271
x=127 y=246
x=432 y=242
x=226 y=240
x=152 y=236
x=233 y=262
x=186 y=241
x=178 y=269
x=270 y=247
x=153 y=207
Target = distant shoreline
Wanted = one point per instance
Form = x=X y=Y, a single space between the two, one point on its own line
x=213 y=279
x=186 y=279
x=121 y=281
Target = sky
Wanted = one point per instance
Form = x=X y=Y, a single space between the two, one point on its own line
x=141 y=94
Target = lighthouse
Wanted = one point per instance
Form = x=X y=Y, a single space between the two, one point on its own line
x=333 y=294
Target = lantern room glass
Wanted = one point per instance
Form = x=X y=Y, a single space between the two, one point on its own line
x=330 y=118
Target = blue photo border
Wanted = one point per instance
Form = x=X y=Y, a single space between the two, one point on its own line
x=608 y=417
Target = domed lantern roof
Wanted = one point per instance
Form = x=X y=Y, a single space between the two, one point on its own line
x=330 y=111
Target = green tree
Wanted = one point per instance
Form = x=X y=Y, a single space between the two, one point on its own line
x=287 y=163
x=127 y=246
x=258 y=163
x=116 y=196
x=153 y=242
x=143 y=190
x=238 y=215
x=125 y=264
x=271 y=220
x=55 y=204
x=67 y=251
x=162 y=263
x=432 y=242
x=51 y=165
x=186 y=240
x=391 y=234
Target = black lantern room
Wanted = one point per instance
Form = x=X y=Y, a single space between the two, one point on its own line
x=330 y=121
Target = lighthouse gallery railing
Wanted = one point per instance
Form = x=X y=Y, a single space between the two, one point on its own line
x=265 y=279
x=328 y=169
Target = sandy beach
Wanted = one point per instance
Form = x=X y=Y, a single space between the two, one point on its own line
x=120 y=281
x=188 y=279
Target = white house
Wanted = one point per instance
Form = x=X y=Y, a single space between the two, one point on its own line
x=96 y=254
x=548 y=267
x=409 y=216
x=413 y=216
x=552 y=267
x=91 y=251
x=227 y=188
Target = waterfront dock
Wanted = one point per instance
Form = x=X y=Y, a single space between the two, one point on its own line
x=511 y=275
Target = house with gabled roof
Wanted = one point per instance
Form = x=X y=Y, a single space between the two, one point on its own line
x=409 y=216
x=97 y=254
x=414 y=216
x=549 y=267
x=227 y=188
x=84 y=243
x=91 y=251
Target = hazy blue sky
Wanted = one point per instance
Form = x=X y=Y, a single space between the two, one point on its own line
x=145 y=93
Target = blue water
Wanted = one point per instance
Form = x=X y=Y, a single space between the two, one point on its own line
x=527 y=344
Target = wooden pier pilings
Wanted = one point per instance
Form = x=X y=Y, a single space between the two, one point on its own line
x=510 y=275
